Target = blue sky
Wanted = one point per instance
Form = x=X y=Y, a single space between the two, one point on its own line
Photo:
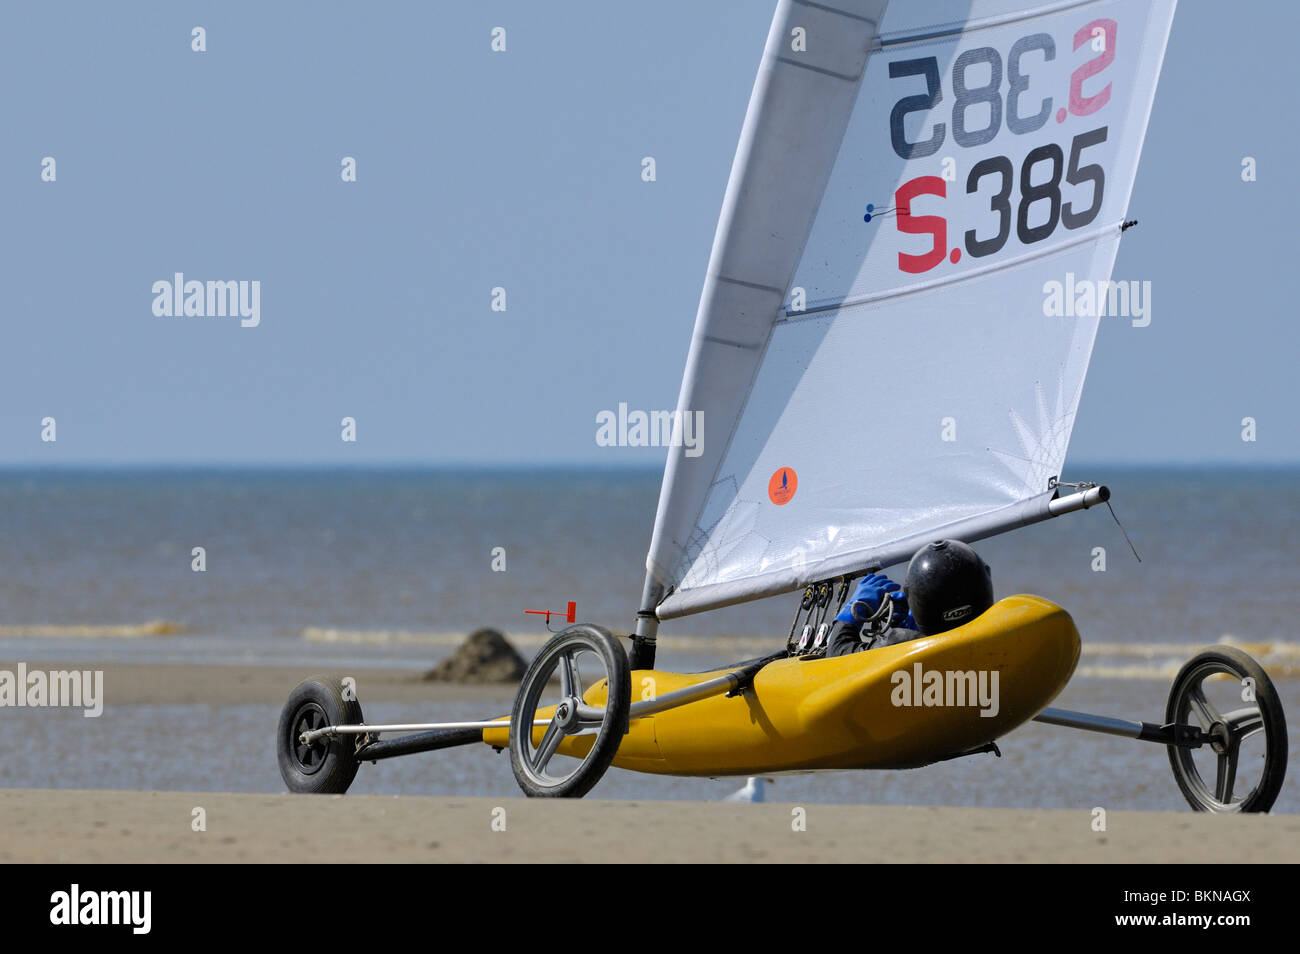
x=522 y=169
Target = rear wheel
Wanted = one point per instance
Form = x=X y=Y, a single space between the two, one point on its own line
x=540 y=770
x=1241 y=765
x=325 y=766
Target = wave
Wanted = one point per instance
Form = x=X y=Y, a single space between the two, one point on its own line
x=158 y=627
x=322 y=634
x=1280 y=659
x=1280 y=649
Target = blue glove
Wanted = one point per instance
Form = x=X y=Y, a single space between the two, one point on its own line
x=866 y=598
x=902 y=616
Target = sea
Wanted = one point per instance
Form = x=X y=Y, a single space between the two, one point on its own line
x=336 y=568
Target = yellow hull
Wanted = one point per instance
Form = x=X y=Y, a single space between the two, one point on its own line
x=896 y=707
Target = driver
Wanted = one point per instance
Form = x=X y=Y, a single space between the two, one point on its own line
x=947 y=585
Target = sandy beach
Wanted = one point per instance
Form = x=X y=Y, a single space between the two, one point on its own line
x=104 y=826
x=156 y=711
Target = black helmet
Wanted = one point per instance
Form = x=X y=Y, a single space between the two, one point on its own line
x=947 y=585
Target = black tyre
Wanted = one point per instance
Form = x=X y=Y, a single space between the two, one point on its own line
x=327 y=766
x=1247 y=743
x=533 y=764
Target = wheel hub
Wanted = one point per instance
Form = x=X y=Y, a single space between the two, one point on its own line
x=566 y=714
x=1220 y=738
x=311 y=757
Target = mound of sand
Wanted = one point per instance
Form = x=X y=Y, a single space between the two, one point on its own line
x=486 y=656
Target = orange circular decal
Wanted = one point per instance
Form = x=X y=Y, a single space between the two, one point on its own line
x=782 y=486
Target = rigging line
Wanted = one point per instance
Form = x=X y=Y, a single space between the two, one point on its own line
x=873 y=214
x=884 y=613
x=804 y=603
x=1123 y=531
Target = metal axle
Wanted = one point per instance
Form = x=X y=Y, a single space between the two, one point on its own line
x=1184 y=736
x=307 y=738
x=439 y=735
x=420 y=742
x=680 y=697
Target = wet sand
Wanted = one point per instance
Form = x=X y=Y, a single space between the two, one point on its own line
x=120 y=826
x=112 y=789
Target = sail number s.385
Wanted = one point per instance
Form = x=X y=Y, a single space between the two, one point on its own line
x=1051 y=187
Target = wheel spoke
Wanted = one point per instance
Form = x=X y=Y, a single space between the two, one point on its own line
x=1243 y=723
x=551 y=739
x=1226 y=776
x=590 y=715
x=568 y=677
x=1204 y=709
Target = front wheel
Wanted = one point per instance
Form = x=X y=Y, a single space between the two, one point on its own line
x=326 y=766
x=1241 y=764
x=541 y=770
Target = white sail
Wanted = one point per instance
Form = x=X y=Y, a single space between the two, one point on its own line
x=878 y=355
